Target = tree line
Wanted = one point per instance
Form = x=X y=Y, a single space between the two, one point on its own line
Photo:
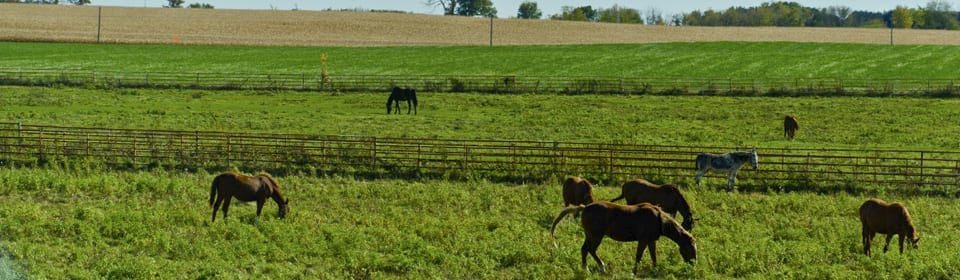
x=936 y=14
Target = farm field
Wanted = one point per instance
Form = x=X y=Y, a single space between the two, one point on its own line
x=826 y=122
x=155 y=224
x=86 y=221
x=759 y=60
x=56 y=23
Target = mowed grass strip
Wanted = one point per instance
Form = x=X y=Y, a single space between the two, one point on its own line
x=156 y=224
x=833 y=122
x=739 y=60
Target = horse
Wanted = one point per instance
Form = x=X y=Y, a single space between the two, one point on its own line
x=667 y=196
x=228 y=185
x=729 y=163
x=644 y=223
x=879 y=217
x=397 y=95
x=790 y=126
x=577 y=191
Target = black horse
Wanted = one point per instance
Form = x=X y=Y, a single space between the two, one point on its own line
x=398 y=94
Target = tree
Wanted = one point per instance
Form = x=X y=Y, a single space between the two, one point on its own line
x=654 y=16
x=529 y=10
x=174 y=4
x=902 y=17
x=200 y=6
x=618 y=14
x=582 y=13
x=476 y=8
x=936 y=15
x=78 y=2
x=449 y=6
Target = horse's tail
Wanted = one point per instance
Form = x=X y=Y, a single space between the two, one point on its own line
x=622 y=195
x=698 y=162
x=566 y=211
x=213 y=190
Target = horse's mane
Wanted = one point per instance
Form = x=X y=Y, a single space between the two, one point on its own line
x=272 y=181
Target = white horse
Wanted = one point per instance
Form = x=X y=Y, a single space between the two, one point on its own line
x=729 y=163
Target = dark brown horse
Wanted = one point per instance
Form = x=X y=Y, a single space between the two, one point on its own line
x=245 y=188
x=667 y=196
x=397 y=95
x=879 y=217
x=644 y=223
x=790 y=126
x=577 y=191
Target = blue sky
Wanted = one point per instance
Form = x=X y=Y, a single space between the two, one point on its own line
x=508 y=8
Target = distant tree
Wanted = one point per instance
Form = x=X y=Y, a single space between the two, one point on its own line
x=582 y=13
x=529 y=10
x=937 y=15
x=449 y=7
x=902 y=17
x=476 y=8
x=202 y=6
x=618 y=14
x=174 y=4
x=654 y=16
x=78 y=2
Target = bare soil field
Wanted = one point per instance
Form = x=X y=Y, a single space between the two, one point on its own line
x=62 y=23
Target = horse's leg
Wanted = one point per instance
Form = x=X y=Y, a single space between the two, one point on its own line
x=889 y=237
x=700 y=174
x=590 y=245
x=866 y=237
x=730 y=179
x=641 y=245
x=409 y=106
x=216 y=205
x=226 y=206
x=900 y=236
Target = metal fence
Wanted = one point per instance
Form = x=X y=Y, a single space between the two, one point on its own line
x=486 y=84
x=781 y=168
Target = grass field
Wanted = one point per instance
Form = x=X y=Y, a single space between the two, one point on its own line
x=86 y=223
x=101 y=224
x=667 y=60
x=834 y=122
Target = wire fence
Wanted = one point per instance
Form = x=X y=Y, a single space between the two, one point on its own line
x=496 y=160
x=486 y=84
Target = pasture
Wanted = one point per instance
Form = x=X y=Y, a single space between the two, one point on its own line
x=96 y=223
x=836 y=122
x=85 y=221
x=660 y=60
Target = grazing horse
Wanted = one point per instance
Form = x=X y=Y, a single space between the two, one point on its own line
x=667 y=196
x=790 y=126
x=644 y=223
x=398 y=94
x=879 y=217
x=245 y=188
x=729 y=163
x=577 y=191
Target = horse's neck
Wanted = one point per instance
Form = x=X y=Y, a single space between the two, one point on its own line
x=674 y=232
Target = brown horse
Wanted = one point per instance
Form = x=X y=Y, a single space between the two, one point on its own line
x=790 y=126
x=644 y=223
x=667 y=196
x=577 y=191
x=879 y=217
x=245 y=188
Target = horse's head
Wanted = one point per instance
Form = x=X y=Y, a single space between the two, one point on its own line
x=753 y=158
x=284 y=208
x=683 y=238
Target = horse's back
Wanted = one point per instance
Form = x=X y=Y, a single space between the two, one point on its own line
x=622 y=222
x=882 y=217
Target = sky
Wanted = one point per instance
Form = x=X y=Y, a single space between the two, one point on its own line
x=508 y=8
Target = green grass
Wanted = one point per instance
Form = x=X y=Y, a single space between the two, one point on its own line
x=101 y=224
x=686 y=60
x=833 y=122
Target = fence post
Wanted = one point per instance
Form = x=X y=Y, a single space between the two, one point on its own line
x=373 y=154
x=921 y=169
x=228 y=150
